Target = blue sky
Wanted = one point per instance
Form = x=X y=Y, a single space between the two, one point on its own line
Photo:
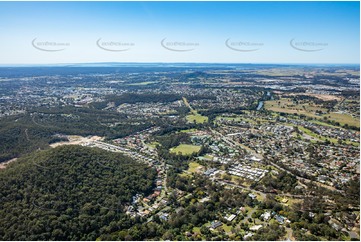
x=257 y=32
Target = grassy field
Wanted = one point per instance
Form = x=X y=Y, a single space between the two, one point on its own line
x=153 y=144
x=196 y=230
x=188 y=130
x=209 y=156
x=290 y=201
x=185 y=149
x=227 y=228
x=192 y=168
x=197 y=118
x=194 y=116
x=286 y=105
x=343 y=119
x=322 y=123
x=316 y=136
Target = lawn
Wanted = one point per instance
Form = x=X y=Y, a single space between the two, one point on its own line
x=196 y=230
x=343 y=119
x=196 y=117
x=316 y=136
x=185 y=149
x=323 y=123
x=209 y=157
x=227 y=228
x=193 y=166
x=188 y=130
x=153 y=144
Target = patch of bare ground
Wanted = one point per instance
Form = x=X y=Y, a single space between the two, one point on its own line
x=324 y=97
x=3 y=165
x=76 y=140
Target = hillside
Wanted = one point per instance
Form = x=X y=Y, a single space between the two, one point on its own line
x=68 y=193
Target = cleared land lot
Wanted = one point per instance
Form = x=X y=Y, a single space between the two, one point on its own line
x=76 y=140
x=193 y=167
x=324 y=97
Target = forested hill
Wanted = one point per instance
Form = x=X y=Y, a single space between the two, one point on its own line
x=69 y=193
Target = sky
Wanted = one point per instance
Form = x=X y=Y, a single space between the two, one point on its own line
x=205 y=32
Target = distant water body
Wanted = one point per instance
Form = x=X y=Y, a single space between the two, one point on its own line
x=260 y=105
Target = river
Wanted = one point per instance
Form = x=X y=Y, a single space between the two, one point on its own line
x=260 y=105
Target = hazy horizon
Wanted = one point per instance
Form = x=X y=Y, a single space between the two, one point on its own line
x=171 y=63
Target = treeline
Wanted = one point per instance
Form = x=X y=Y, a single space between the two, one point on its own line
x=213 y=113
x=328 y=104
x=172 y=140
x=271 y=232
x=325 y=120
x=69 y=193
x=170 y=128
x=217 y=111
x=187 y=212
x=24 y=133
x=132 y=98
x=284 y=182
x=144 y=98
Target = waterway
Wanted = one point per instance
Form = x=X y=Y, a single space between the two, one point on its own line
x=260 y=105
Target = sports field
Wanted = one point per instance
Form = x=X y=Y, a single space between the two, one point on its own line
x=185 y=149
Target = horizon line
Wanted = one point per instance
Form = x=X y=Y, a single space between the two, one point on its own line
x=165 y=63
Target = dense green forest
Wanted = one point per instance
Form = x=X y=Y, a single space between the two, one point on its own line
x=24 y=133
x=69 y=193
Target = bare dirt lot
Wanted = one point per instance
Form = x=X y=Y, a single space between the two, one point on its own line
x=324 y=97
x=76 y=140
x=3 y=165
